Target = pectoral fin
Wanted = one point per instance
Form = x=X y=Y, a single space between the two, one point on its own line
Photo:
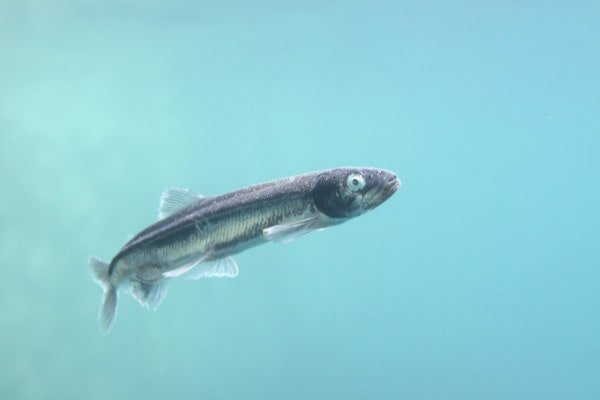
x=288 y=232
x=183 y=269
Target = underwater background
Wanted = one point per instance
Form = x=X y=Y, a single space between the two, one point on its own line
x=478 y=279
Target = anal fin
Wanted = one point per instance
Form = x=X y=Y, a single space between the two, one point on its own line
x=149 y=294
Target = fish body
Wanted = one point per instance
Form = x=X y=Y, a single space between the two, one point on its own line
x=196 y=236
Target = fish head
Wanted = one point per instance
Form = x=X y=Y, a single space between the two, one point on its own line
x=344 y=193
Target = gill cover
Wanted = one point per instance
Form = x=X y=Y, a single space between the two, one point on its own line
x=333 y=198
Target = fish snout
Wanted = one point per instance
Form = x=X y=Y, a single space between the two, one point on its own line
x=387 y=183
x=392 y=183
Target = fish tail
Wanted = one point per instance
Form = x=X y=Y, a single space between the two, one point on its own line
x=108 y=311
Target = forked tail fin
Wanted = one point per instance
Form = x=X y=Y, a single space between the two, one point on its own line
x=108 y=311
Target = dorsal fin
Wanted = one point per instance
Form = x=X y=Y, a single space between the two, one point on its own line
x=174 y=199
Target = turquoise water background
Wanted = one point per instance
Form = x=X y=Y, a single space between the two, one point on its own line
x=479 y=279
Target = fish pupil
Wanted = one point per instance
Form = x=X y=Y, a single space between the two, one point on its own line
x=355 y=182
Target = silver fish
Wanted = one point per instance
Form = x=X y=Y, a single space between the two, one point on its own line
x=196 y=236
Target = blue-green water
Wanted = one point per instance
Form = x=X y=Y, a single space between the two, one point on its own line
x=479 y=279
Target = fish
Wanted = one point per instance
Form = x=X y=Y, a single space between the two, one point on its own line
x=195 y=236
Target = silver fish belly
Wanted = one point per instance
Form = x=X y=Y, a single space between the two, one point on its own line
x=196 y=236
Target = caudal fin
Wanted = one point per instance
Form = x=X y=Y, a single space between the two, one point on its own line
x=108 y=311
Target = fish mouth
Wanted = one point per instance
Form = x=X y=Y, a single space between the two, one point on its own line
x=382 y=192
x=392 y=184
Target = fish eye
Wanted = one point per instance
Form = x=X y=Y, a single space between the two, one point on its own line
x=355 y=182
